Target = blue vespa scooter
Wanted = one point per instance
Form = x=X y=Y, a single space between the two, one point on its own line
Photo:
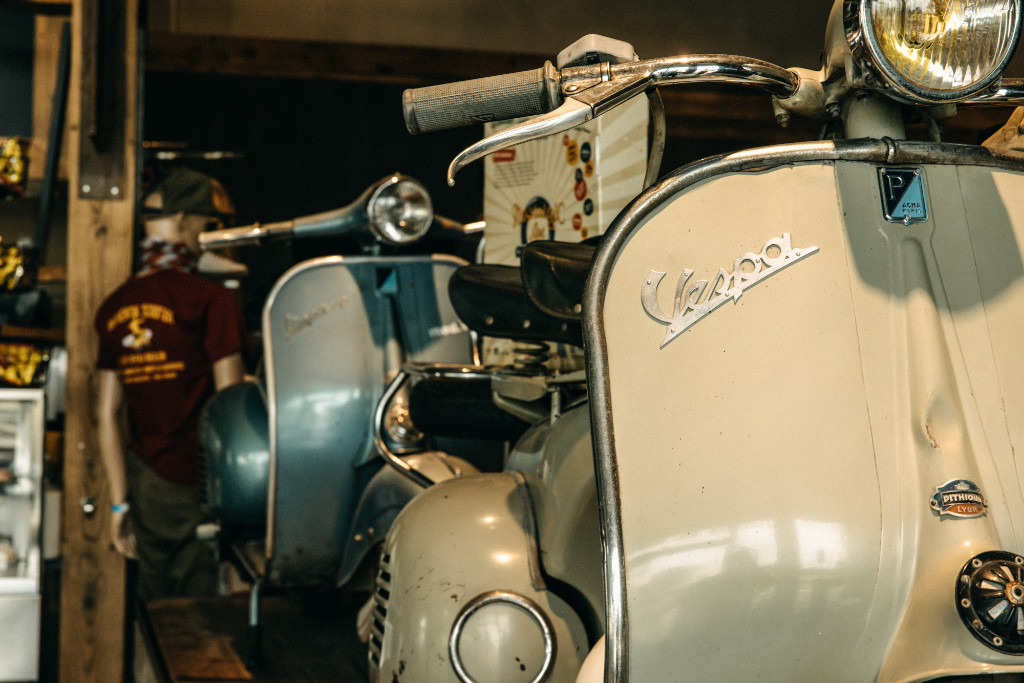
x=291 y=468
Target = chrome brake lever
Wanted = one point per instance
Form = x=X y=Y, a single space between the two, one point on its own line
x=580 y=108
x=570 y=114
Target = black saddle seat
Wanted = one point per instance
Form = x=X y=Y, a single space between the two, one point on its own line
x=554 y=274
x=538 y=301
x=491 y=299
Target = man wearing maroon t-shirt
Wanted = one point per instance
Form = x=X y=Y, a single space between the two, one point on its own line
x=168 y=340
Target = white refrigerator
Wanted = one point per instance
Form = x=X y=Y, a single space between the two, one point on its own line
x=22 y=424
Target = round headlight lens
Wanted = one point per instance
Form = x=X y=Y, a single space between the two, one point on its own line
x=941 y=50
x=401 y=211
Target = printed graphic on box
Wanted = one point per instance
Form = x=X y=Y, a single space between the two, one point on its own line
x=567 y=187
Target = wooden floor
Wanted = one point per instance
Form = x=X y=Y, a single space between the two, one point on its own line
x=306 y=636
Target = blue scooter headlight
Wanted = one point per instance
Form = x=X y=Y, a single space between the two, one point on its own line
x=400 y=210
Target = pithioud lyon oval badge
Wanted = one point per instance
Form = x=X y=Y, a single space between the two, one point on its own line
x=958 y=498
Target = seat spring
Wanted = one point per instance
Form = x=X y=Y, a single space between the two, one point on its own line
x=530 y=356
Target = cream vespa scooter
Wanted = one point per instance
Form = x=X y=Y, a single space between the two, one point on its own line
x=806 y=392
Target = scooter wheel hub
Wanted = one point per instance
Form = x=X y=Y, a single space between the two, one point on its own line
x=990 y=600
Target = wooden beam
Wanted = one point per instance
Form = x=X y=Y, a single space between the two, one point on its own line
x=707 y=112
x=100 y=235
x=182 y=53
x=49 y=8
x=44 y=81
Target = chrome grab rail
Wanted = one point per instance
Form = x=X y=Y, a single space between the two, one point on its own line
x=418 y=370
x=390 y=457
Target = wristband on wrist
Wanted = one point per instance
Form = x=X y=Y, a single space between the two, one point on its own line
x=118 y=508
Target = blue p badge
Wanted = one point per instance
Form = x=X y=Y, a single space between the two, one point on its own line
x=903 y=195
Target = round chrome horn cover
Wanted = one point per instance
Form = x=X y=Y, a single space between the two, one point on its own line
x=499 y=597
x=990 y=600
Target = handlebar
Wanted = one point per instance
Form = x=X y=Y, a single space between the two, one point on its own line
x=562 y=99
x=323 y=224
x=327 y=224
x=531 y=93
x=543 y=90
x=395 y=210
x=582 y=93
x=494 y=98
x=1009 y=92
x=238 y=237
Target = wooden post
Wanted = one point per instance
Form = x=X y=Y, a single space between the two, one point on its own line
x=44 y=76
x=100 y=243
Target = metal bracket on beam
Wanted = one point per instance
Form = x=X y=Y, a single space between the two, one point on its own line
x=101 y=168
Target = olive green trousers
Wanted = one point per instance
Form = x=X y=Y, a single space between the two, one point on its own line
x=172 y=561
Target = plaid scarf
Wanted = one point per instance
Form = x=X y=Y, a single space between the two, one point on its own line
x=158 y=254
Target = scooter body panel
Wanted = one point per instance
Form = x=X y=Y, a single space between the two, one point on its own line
x=235 y=454
x=333 y=328
x=783 y=408
x=564 y=497
x=387 y=493
x=460 y=573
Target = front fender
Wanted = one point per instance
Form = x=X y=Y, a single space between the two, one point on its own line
x=460 y=575
x=384 y=497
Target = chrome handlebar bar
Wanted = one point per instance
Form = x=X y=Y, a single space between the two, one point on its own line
x=531 y=93
x=328 y=223
x=567 y=98
x=1010 y=92
x=245 y=235
x=562 y=99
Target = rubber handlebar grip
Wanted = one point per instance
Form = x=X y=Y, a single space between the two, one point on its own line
x=494 y=98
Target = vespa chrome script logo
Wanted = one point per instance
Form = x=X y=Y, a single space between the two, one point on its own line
x=903 y=195
x=691 y=304
x=294 y=323
x=958 y=498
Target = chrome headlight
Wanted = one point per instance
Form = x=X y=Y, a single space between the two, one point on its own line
x=928 y=51
x=400 y=210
